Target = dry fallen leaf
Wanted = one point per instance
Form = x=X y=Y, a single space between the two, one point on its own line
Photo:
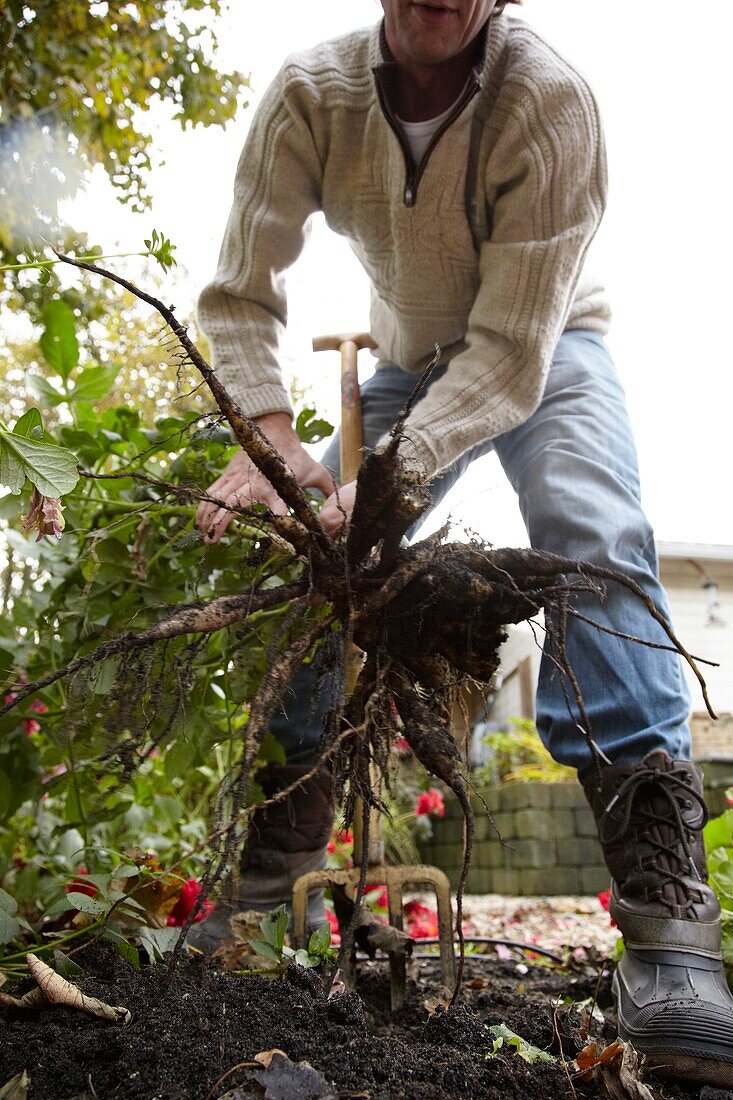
x=621 y=1077
x=52 y=989
x=590 y=1056
x=617 y=1070
x=16 y=1088
x=286 y=1080
x=265 y=1056
x=440 y=1000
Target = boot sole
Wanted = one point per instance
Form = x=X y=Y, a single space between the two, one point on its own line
x=698 y=1065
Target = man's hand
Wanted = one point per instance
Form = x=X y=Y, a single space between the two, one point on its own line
x=336 y=512
x=242 y=483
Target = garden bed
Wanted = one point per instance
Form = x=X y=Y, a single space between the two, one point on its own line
x=190 y=1026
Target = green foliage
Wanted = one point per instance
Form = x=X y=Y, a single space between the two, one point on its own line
x=26 y=456
x=505 y=1038
x=519 y=756
x=161 y=249
x=312 y=428
x=124 y=757
x=77 y=80
x=718 y=835
x=272 y=946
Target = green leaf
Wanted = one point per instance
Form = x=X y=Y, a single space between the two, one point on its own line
x=503 y=1035
x=8 y=903
x=718 y=832
x=9 y=926
x=161 y=249
x=85 y=904
x=178 y=758
x=310 y=428
x=266 y=949
x=93 y=383
x=302 y=958
x=41 y=388
x=29 y=425
x=159 y=942
x=271 y=751
x=51 y=469
x=123 y=947
x=105 y=675
x=274 y=926
x=58 y=342
x=65 y=966
x=320 y=941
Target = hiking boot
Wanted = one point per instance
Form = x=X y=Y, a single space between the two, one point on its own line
x=673 y=1001
x=284 y=841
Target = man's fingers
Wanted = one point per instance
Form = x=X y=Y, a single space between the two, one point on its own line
x=217 y=525
x=320 y=478
x=240 y=486
x=336 y=512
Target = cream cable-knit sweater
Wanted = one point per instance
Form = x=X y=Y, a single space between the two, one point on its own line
x=486 y=261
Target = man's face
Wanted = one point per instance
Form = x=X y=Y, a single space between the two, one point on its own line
x=429 y=32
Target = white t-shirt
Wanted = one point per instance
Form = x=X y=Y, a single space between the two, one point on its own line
x=420 y=134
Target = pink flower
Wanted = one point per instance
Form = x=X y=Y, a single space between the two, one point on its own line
x=430 y=802
x=186 y=901
x=54 y=773
x=45 y=516
x=31 y=725
x=729 y=796
x=401 y=744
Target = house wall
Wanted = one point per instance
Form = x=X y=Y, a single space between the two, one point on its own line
x=690 y=605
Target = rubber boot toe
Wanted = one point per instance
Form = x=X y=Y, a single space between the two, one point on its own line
x=677 y=1010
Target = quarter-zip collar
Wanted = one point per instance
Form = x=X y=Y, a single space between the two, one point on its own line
x=385 y=76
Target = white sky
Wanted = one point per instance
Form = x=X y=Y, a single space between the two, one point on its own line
x=660 y=69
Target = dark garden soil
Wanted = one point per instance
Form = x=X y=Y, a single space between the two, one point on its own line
x=192 y=1025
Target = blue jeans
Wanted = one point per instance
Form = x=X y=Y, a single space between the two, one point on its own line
x=573 y=466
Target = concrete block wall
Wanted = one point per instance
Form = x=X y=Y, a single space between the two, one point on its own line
x=549 y=838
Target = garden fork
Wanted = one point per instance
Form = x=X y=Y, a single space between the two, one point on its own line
x=396 y=878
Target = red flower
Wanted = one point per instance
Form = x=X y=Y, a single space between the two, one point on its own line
x=334 y=925
x=186 y=901
x=421 y=920
x=430 y=802
x=381 y=901
x=605 y=899
x=342 y=839
x=729 y=796
x=401 y=744
x=79 y=886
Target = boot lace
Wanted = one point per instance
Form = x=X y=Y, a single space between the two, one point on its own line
x=665 y=853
